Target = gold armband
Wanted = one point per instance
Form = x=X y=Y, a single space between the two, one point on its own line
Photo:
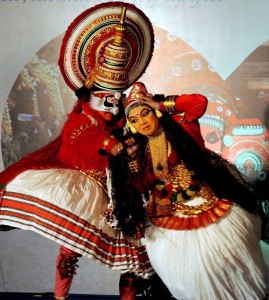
x=170 y=104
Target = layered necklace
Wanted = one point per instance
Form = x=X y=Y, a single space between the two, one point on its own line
x=160 y=151
x=180 y=184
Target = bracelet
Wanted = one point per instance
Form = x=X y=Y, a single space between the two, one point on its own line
x=134 y=166
x=169 y=104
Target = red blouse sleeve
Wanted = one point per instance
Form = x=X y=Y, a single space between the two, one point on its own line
x=193 y=106
x=186 y=110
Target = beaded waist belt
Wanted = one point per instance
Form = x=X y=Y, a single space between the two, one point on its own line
x=98 y=176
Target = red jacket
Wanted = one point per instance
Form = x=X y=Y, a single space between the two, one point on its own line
x=77 y=147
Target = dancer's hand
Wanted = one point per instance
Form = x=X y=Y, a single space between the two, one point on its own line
x=148 y=99
x=116 y=149
x=132 y=147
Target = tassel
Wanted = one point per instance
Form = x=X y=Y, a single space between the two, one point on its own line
x=131 y=127
x=158 y=113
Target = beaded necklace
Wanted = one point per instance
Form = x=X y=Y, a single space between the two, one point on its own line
x=160 y=150
x=159 y=155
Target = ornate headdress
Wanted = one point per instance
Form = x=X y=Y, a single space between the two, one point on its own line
x=109 y=46
x=133 y=98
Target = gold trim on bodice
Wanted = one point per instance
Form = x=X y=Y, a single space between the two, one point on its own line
x=202 y=209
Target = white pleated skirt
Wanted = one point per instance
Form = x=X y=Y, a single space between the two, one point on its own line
x=222 y=261
x=68 y=207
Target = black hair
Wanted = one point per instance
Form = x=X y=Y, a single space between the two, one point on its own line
x=222 y=176
x=82 y=92
x=129 y=208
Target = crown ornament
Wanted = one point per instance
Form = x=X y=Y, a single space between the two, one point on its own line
x=112 y=73
x=109 y=46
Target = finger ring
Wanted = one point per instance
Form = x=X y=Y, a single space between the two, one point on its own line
x=118 y=150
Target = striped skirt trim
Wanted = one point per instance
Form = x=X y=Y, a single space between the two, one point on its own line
x=66 y=228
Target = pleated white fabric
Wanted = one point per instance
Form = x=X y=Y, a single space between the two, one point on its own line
x=222 y=261
x=68 y=207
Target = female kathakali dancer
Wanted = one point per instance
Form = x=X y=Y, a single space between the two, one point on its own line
x=202 y=230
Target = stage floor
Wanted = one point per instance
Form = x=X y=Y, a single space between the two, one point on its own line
x=49 y=296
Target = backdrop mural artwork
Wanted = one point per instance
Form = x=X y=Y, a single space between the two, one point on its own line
x=218 y=48
x=235 y=124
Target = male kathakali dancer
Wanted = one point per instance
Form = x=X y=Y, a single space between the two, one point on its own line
x=60 y=191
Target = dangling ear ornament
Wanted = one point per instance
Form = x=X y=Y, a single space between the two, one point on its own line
x=117 y=95
x=115 y=110
x=158 y=113
x=131 y=127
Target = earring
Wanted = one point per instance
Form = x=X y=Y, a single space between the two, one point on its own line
x=158 y=113
x=131 y=127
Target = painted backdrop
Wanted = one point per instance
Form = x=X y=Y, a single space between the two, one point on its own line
x=219 y=48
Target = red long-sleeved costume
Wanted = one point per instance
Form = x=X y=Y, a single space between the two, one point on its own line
x=77 y=147
x=193 y=106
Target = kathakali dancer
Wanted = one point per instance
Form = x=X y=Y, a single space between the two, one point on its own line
x=60 y=191
x=202 y=230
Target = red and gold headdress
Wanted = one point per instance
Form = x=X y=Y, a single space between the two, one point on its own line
x=109 y=46
x=133 y=98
